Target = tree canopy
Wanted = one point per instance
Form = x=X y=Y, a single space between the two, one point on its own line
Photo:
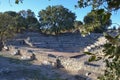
x=77 y=23
x=7 y=28
x=19 y=21
x=6 y=25
x=94 y=17
x=11 y=13
x=109 y=5
x=12 y=22
x=30 y=19
x=56 y=19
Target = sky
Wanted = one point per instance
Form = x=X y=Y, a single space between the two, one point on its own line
x=38 y=5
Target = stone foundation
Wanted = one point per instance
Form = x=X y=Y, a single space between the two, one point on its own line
x=69 y=43
x=69 y=64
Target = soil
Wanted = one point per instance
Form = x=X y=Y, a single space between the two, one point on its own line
x=12 y=68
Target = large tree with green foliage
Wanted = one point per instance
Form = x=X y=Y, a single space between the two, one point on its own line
x=100 y=6
x=30 y=19
x=32 y=23
x=110 y=5
x=20 y=22
x=11 y=13
x=56 y=19
x=77 y=23
x=7 y=28
x=93 y=18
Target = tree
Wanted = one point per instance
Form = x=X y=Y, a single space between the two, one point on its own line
x=94 y=17
x=78 y=25
x=99 y=6
x=113 y=71
x=30 y=13
x=119 y=29
x=32 y=22
x=23 y=13
x=11 y=13
x=110 y=5
x=114 y=28
x=20 y=23
x=56 y=19
x=112 y=48
x=7 y=28
x=112 y=58
x=96 y=4
x=30 y=19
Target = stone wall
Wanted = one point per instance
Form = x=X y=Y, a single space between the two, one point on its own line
x=69 y=42
x=69 y=64
x=63 y=43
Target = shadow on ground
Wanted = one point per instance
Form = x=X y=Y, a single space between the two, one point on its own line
x=11 y=68
x=67 y=42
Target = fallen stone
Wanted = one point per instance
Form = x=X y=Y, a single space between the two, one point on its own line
x=15 y=52
x=46 y=62
x=92 y=46
x=5 y=48
x=27 y=54
x=86 y=50
x=27 y=41
x=26 y=57
x=88 y=73
x=51 y=55
x=88 y=47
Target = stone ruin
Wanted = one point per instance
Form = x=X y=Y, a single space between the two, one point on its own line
x=68 y=42
x=44 y=48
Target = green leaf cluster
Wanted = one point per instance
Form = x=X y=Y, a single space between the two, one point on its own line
x=97 y=21
x=97 y=4
x=56 y=19
x=93 y=57
x=7 y=27
x=30 y=21
x=111 y=57
x=113 y=47
x=18 y=1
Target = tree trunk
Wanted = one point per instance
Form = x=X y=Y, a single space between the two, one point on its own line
x=1 y=45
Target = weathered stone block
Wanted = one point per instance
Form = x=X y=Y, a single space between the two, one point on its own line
x=27 y=55
x=15 y=52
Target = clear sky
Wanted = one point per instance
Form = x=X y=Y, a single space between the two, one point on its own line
x=37 y=5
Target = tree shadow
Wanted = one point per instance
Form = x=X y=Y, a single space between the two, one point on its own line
x=15 y=69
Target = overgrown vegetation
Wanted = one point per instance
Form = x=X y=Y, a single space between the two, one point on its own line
x=99 y=23
x=7 y=28
x=56 y=19
x=112 y=48
x=12 y=22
